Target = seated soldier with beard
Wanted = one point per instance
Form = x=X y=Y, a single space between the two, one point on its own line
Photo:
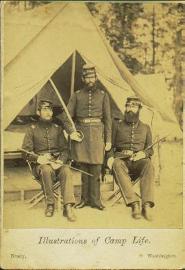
x=47 y=145
x=130 y=159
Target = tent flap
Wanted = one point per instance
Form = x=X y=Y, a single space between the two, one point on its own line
x=45 y=54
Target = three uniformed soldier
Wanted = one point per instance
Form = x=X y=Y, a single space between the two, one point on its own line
x=47 y=143
x=130 y=158
x=90 y=109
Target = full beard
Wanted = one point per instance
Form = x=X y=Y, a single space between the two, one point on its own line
x=90 y=86
x=132 y=117
x=46 y=121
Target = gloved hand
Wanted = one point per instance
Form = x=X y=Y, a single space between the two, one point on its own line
x=76 y=136
x=110 y=162
x=137 y=156
x=42 y=159
x=108 y=146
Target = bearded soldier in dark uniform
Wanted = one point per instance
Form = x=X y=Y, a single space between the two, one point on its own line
x=90 y=109
x=131 y=157
x=47 y=143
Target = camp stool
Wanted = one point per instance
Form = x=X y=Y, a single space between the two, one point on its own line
x=40 y=195
x=118 y=193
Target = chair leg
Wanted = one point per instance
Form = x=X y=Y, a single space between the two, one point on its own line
x=117 y=200
x=118 y=192
x=34 y=197
x=39 y=199
x=40 y=196
x=113 y=195
x=59 y=201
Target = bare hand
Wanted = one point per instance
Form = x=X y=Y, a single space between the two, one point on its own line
x=110 y=162
x=43 y=159
x=76 y=136
x=137 y=156
x=108 y=146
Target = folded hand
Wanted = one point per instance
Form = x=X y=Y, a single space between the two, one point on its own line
x=137 y=156
x=43 y=159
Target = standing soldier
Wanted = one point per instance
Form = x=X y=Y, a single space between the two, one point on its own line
x=46 y=142
x=90 y=109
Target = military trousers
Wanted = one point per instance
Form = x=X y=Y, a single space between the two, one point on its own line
x=91 y=184
x=48 y=177
x=126 y=171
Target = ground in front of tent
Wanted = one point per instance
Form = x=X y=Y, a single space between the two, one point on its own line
x=167 y=212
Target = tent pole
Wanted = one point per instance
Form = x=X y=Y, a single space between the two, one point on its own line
x=73 y=73
x=63 y=104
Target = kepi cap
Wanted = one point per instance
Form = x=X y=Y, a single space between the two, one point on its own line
x=133 y=100
x=45 y=103
x=88 y=70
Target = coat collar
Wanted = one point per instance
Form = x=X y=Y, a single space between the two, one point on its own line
x=44 y=124
x=132 y=124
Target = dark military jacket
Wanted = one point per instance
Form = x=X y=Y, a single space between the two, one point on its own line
x=131 y=136
x=90 y=104
x=42 y=138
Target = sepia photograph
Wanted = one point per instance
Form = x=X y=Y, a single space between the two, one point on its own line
x=92 y=135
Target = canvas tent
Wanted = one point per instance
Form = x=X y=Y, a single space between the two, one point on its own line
x=57 y=48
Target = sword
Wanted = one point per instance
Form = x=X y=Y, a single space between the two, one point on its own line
x=81 y=135
x=56 y=162
x=150 y=146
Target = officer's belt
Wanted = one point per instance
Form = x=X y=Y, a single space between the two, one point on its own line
x=123 y=151
x=53 y=154
x=89 y=120
x=120 y=149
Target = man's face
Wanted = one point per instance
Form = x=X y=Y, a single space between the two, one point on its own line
x=90 y=80
x=132 y=108
x=132 y=112
x=46 y=113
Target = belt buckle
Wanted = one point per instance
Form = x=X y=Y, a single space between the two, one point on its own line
x=86 y=121
x=90 y=120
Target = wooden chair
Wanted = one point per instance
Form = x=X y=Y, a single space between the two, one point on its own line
x=118 y=193
x=40 y=195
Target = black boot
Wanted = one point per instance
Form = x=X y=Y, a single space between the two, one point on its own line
x=99 y=206
x=95 y=195
x=136 y=211
x=49 y=210
x=147 y=211
x=81 y=204
x=68 y=212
